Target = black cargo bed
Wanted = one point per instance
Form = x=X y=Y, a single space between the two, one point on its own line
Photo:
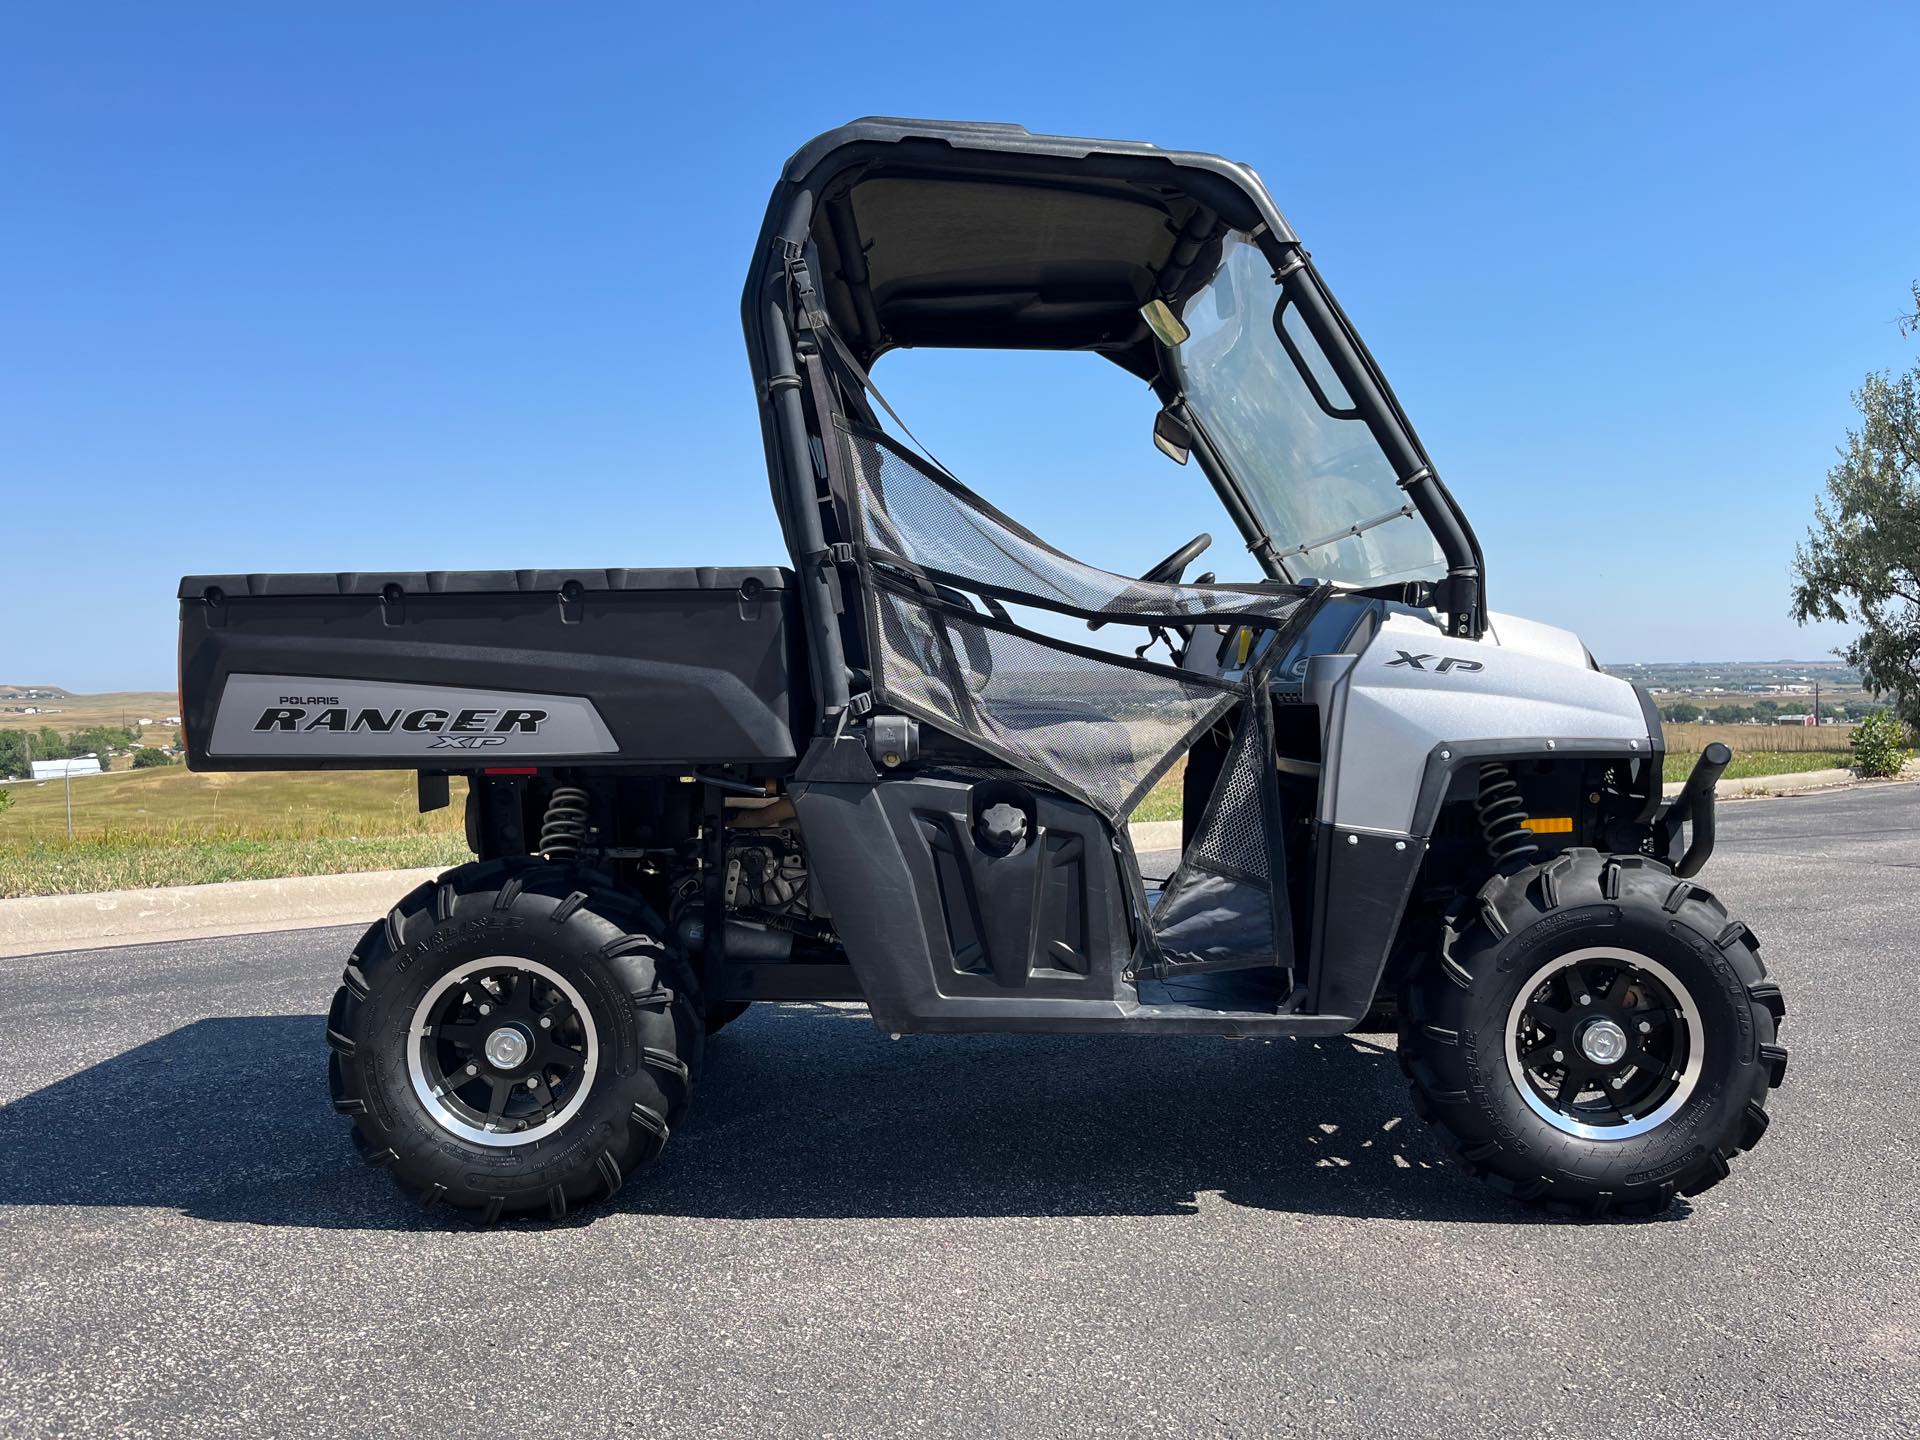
x=462 y=669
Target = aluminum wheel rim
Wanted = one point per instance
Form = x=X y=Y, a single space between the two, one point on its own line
x=1657 y=1075
x=447 y=1024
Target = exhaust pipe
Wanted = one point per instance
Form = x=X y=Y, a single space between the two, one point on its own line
x=748 y=944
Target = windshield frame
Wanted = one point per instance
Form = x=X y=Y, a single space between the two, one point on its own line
x=1460 y=592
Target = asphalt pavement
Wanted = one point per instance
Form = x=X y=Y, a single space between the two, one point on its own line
x=960 y=1236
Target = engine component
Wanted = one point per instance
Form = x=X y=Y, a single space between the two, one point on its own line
x=769 y=874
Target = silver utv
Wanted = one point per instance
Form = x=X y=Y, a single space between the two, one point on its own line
x=897 y=770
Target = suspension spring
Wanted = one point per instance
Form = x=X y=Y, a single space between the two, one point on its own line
x=563 y=829
x=1503 y=817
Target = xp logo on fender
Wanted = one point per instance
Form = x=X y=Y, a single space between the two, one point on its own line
x=1447 y=663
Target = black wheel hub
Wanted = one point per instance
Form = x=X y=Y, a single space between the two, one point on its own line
x=503 y=1050
x=1601 y=1043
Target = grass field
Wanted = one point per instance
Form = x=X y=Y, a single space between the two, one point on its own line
x=83 y=712
x=1163 y=801
x=172 y=827
x=1750 y=739
x=1761 y=749
x=1750 y=763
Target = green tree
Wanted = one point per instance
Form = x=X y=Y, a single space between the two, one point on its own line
x=1860 y=564
x=6 y=799
x=1682 y=712
x=145 y=758
x=98 y=740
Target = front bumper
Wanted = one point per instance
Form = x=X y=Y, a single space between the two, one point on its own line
x=1683 y=831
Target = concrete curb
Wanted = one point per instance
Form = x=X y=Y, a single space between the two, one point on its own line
x=1775 y=784
x=1802 y=781
x=193 y=912
x=1155 y=835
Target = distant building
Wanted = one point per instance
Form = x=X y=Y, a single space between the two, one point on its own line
x=171 y=720
x=57 y=769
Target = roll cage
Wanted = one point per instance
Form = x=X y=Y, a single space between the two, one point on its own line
x=986 y=236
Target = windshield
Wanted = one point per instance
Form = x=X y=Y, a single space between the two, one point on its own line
x=1314 y=477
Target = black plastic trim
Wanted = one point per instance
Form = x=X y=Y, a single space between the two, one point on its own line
x=1657 y=742
x=485 y=582
x=1362 y=879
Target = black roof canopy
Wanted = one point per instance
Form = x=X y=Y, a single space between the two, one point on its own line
x=957 y=234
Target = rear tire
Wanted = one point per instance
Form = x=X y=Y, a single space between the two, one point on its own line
x=1596 y=1035
x=511 y=1039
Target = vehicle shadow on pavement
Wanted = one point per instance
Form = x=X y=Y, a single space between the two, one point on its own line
x=809 y=1112
x=805 y=1111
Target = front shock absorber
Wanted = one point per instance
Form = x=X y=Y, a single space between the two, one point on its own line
x=1503 y=817
x=563 y=829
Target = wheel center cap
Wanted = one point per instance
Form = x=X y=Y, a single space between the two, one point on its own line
x=507 y=1047
x=1601 y=1041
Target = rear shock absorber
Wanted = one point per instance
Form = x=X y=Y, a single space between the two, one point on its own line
x=563 y=829
x=1503 y=817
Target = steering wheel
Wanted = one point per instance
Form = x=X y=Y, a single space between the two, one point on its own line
x=1169 y=570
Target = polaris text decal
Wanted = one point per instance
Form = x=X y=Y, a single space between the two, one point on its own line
x=288 y=716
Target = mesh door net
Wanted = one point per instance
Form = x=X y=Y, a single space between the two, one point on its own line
x=1227 y=902
x=1100 y=726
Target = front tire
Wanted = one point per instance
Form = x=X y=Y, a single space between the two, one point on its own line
x=1596 y=1035
x=511 y=1039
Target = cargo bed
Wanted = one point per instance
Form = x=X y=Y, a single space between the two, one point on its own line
x=453 y=670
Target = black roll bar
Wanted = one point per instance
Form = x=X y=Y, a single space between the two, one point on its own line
x=1463 y=594
x=826 y=653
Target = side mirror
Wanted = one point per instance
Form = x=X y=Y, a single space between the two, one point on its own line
x=1171 y=435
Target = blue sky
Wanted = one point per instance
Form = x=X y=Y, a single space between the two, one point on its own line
x=405 y=286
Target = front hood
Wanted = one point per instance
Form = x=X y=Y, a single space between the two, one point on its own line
x=1417 y=698
x=1530 y=637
